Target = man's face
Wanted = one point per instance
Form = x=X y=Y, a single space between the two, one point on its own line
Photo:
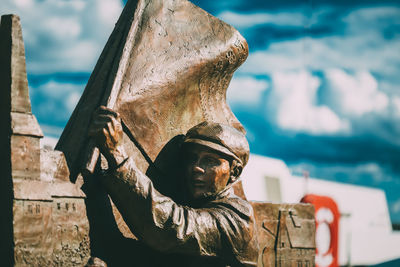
x=206 y=172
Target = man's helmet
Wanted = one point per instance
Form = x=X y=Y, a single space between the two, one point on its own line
x=222 y=138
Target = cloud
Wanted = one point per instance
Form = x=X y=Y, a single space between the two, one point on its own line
x=64 y=36
x=72 y=100
x=109 y=10
x=242 y=20
x=355 y=68
x=349 y=173
x=261 y=5
x=396 y=206
x=51 y=131
x=216 y=6
x=24 y=4
x=62 y=29
x=294 y=100
x=344 y=52
x=246 y=90
x=285 y=56
x=262 y=28
x=355 y=95
x=363 y=39
x=396 y=106
x=53 y=103
x=376 y=18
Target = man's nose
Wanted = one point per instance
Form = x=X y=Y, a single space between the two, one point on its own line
x=198 y=169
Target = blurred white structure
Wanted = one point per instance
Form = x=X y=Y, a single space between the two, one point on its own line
x=365 y=230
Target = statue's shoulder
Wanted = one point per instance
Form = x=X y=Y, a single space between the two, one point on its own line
x=240 y=229
x=234 y=204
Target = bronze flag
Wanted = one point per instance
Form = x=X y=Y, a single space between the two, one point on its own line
x=165 y=68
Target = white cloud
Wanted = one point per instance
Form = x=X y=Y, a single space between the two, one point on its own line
x=81 y=54
x=246 y=90
x=354 y=52
x=62 y=28
x=24 y=3
x=354 y=173
x=396 y=106
x=78 y=5
x=372 y=17
x=363 y=45
x=359 y=68
x=395 y=207
x=59 y=102
x=72 y=100
x=109 y=10
x=64 y=36
x=253 y=19
x=282 y=56
x=58 y=90
x=294 y=101
x=356 y=94
x=50 y=130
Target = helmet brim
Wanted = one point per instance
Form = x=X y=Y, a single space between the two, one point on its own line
x=213 y=146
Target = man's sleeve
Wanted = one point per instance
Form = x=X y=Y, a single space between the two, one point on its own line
x=222 y=229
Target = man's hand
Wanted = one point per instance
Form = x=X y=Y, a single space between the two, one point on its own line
x=107 y=132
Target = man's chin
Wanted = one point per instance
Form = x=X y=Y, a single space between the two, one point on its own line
x=201 y=197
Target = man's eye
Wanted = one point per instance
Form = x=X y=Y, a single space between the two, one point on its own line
x=190 y=158
x=211 y=161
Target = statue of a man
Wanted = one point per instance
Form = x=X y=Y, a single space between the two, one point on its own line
x=214 y=227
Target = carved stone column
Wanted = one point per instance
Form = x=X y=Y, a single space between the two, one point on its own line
x=43 y=215
x=20 y=133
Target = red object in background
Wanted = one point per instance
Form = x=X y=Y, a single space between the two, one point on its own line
x=327 y=229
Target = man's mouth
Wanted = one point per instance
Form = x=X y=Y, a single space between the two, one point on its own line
x=197 y=182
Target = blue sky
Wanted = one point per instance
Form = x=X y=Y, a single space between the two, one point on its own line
x=319 y=90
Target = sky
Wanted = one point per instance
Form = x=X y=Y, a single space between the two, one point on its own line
x=319 y=90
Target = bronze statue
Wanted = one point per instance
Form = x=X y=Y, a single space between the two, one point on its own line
x=165 y=69
x=212 y=226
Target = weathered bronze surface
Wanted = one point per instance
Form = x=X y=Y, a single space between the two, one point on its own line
x=43 y=220
x=286 y=234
